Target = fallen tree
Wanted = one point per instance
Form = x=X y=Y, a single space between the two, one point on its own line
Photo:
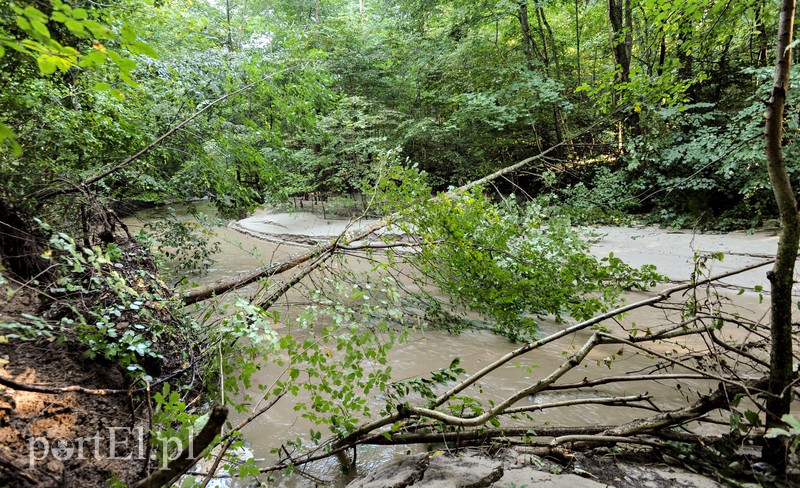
x=718 y=377
x=344 y=241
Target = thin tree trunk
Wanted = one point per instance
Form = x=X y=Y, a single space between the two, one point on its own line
x=230 y=34
x=527 y=41
x=578 y=38
x=761 y=40
x=686 y=61
x=554 y=51
x=620 y=26
x=782 y=275
x=552 y=38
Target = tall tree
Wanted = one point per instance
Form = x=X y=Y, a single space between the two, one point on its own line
x=782 y=275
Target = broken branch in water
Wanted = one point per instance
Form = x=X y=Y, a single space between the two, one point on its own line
x=190 y=455
x=205 y=292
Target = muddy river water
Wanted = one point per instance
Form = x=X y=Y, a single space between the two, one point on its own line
x=430 y=350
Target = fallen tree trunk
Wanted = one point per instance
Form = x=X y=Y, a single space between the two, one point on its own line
x=205 y=292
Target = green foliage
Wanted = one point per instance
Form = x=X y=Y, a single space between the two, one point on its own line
x=116 y=311
x=243 y=339
x=340 y=358
x=504 y=262
x=345 y=151
x=181 y=245
x=43 y=34
x=172 y=425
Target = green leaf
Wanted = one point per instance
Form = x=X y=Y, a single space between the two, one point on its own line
x=775 y=432
x=101 y=86
x=791 y=422
x=35 y=14
x=93 y=60
x=47 y=64
x=128 y=34
x=99 y=30
x=23 y=24
x=140 y=47
x=7 y=134
x=40 y=28
x=75 y=27
x=126 y=64
x=118 y=95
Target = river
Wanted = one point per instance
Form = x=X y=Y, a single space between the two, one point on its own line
x=430 y=350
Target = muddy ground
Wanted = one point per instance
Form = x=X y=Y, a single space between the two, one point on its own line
x=69 y=439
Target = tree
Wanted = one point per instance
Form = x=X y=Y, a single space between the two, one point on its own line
x=782 y=275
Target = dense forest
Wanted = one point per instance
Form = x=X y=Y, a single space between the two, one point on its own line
x=580 y=112
x=651 y=107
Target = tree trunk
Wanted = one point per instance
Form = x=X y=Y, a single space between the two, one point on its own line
x=620 y=20
x=230 y=27
x=578 y=39
x=554 y=51
x=552 y=38
x=545 y=49
x=21 y=244
x=782 y=275
x=761 y=39
x=527 y=41
x=686 y=61
x=621 y=41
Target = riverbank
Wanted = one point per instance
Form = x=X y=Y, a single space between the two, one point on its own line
x=54 y=439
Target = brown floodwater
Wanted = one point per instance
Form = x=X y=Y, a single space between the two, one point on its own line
x=429 y=350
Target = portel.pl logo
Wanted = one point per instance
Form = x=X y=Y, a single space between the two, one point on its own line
x=117 y=443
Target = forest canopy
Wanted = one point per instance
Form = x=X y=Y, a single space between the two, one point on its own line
x=654 y=106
